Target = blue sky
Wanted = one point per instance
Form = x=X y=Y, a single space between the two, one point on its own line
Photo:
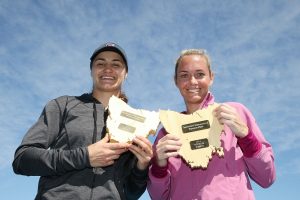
x=254 y=45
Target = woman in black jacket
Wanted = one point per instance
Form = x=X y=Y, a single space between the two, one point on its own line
x=68 y=146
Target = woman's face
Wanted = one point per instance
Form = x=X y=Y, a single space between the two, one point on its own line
x=193 y=78
x=108 y=72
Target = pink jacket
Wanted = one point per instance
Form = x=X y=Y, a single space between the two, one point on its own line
x=225 y=178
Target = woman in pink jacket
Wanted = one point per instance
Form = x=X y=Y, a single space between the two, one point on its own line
x=247 y=154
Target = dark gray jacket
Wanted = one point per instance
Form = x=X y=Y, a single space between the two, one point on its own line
x=55 y=148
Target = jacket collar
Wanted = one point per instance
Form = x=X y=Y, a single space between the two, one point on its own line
x=88 y=98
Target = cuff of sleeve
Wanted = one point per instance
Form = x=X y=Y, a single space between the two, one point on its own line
x=250 y=145
x=140 y=173
x=87 y=159
x=157 y=171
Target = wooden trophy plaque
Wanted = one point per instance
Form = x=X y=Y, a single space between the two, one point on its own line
x=125 y=122
x=199 y=132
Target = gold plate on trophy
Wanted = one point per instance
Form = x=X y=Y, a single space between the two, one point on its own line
x=124 y=122
x=199 y=132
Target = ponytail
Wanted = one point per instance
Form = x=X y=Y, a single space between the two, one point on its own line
x=123 y=96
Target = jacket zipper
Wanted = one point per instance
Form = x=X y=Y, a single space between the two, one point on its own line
x=93 y=141
x=92 y=186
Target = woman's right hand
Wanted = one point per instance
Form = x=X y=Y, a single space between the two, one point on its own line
x=103 y=153
x=167 y=146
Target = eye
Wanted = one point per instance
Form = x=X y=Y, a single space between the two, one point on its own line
x=183 y=76
x=199 y=75
x=116 y=65
x=99 y=63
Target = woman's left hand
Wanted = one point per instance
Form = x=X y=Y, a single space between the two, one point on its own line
x=142 y=149
x=228 y=115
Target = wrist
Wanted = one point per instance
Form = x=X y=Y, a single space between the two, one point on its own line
x=242 y=131
x=161 y=163
x=142 y=166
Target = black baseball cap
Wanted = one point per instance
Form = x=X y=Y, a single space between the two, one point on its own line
x=109 y=46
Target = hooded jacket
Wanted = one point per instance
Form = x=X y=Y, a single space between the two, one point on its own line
x=55 y=148
x=225 y=178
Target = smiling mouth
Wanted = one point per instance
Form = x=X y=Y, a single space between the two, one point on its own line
x=107 y=78
x=194 y=91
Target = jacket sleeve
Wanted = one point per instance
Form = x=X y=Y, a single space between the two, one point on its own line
x=159 y=187
x=35 y=157
x=260 y=166
x=136 y=184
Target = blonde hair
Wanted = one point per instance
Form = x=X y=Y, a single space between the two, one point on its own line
x=200 y=52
